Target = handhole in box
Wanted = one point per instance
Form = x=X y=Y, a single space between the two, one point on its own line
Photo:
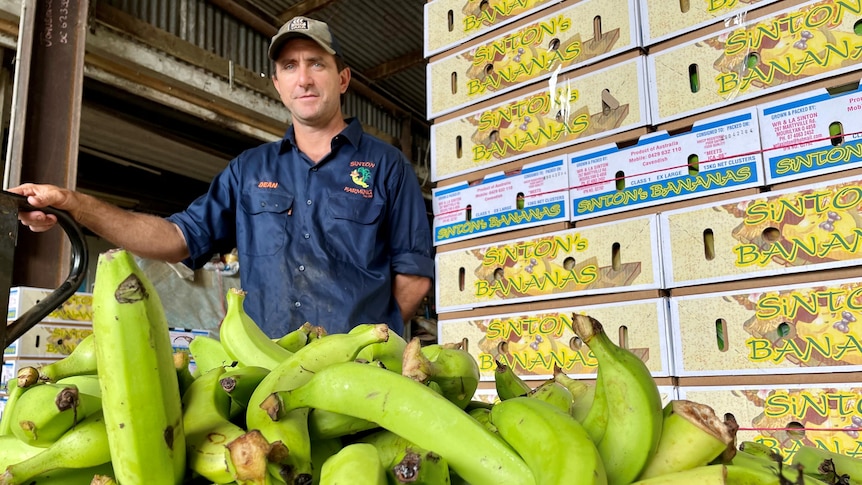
x=465 y=344
x=684 y=6
x=616 y=257
x=575 y=343
x=752 y=60
x=450 y=20
x=468 y=212
x=836 y=133
x=857 y=27
x=553 y=45
x=721 y=334
x=693 y=78
x=502 y=348
x=620 y=179
x=461 y=276
x=795 y=430
x=458 y=147
x=708 y=244
x=783 y=329
x=569 y=263
x=498 y=274
x=693 y=164
x=38 y=340
x=597 y=28
x=519 y=201
x=609 y=102
x=454 y=82
x=624 y=336
x=771 y=234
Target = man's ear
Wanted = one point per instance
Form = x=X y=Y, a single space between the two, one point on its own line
x=345 y=79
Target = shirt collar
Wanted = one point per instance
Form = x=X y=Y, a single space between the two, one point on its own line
x=351 y=133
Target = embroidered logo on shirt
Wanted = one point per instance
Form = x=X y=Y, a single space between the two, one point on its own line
x=267 y=185
x=361 y=176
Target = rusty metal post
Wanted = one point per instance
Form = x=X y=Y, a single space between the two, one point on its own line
x=46 y=114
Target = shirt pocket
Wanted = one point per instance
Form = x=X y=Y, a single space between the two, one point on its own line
x=354 y=229
x=263 y=231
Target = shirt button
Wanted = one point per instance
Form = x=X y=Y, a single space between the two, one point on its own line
x=313 y=169
x=308 y=202
x=307 y=235
x=263 y=204
x=301 y=267
x=297 y=304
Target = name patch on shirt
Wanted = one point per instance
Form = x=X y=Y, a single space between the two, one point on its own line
x=267 y=185
x=361 y=176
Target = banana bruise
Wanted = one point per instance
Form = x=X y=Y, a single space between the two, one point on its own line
x=12 y=450
x=296 y=339
x=548 y=438
x=692 y=435
x=292 y=430
x=408 y=409
x=324 y=425
x=814 y=462
x=419 y=467
x=84 y=446
x=247 y=458
x=553 y=393
x=455 y=371
x=207 y=428
x=634 y=404
x=353 y=464
x=45 y=413
x=82 y=360
x=208 y=353
x=243 y=340
x=140 y=393
x=507 y=383
x=389 y=353
x=240 y=382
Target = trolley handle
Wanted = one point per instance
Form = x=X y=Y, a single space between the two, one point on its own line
x=77 y=271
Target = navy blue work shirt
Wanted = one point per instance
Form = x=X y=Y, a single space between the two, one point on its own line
x=317 y=243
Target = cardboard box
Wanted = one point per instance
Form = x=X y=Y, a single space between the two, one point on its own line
x=489 y=395
x=450 y=23
x=47 y=340
x=574 y=108
x=534 y=195
x=797 y=134
x=716 y=155
x=180 y=338
x=769 y=414
x=789 y=231
x=792 y=329
x=77 y=309
x=555 y=43
x=534 y=343
x=663 y=20
x=797 y=45
x=608 y=258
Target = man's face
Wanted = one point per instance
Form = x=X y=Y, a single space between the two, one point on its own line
x=309 y=83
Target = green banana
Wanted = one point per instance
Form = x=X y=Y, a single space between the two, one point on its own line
x=240 y=382
x=553 y=393
x=455 y=371
x=140 y=392
x=595 y=419
x=582 y=393
x=86 y=384
x=355 y=463
x=507 y=383
x=292 y=430
x=419 y=468
x=741 y=475
x=759 y=449
x=208 y=353
x=296 y=339
x=13 y=450
x=814 y=462
x=548 y=438
x=321 y=450
x=790 y=473
x=243 y=340
x=247 y=458
x=44 y=413
x=84 y=446
x=483 y=415
x=409 y=409
x=27 y=377
x=633 y=400
x=691 y=436
x=390 y=352
x=181 y=365
x=387 y=444
x=325 y=424
x=702 y=475
x=82 y=360
x=207 y=427
x=75 y=476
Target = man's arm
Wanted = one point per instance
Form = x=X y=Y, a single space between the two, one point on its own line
x=409 y=290
x=145 y=235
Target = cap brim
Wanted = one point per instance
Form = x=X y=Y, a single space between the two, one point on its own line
x=277 y=44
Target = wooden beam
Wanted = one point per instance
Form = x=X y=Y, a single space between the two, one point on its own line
x=305 y=7
x=249 y=14
x=390 y=68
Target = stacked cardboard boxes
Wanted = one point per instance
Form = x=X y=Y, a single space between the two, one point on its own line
x=686 y=172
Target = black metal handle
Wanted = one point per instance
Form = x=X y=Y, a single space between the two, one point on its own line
x=77 y=272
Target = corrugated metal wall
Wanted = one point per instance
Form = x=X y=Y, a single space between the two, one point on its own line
x=208 y=27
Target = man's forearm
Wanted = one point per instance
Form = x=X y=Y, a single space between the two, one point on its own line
x=409 y=290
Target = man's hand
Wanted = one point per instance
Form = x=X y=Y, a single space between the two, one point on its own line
x=42 y=196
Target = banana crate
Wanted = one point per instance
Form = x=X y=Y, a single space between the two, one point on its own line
x=47 y=340
x=78 y=309
x=489 y=394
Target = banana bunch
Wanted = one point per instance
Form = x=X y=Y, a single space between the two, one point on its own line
x=364 y=407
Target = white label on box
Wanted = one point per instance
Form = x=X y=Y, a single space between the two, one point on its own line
x=720 y=154
x=798 y=139
x=535 y=195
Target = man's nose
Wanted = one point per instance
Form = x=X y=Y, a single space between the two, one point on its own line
x=304 y=76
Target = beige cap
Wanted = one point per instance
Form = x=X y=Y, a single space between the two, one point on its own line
x=304 y=27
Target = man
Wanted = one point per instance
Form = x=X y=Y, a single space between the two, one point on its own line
x=329 y=222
